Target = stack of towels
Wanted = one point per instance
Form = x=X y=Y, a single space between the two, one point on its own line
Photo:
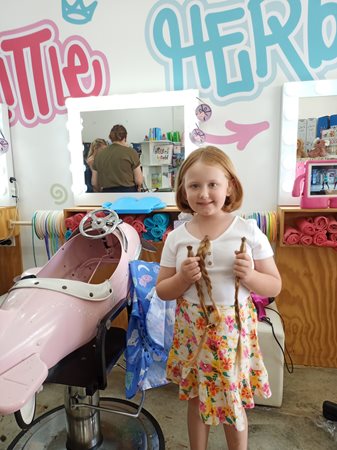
x=157 y=227
x=319 y=230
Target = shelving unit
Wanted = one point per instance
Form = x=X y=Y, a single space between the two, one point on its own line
x=287 y=215
x=308 y=300
x=160 y=161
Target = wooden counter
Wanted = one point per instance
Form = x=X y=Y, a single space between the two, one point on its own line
x=10 y=256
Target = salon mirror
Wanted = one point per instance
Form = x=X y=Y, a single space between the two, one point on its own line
x=93 y=117
x=300 y=100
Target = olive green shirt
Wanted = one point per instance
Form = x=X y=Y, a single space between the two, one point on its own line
x=115 y=165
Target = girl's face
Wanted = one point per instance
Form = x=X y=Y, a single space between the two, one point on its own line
x=206 y=188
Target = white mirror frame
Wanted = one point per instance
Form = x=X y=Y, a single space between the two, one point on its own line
x=75 y=106
x=6 y=162
x=292 y=93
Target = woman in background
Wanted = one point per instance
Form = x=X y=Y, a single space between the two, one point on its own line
x=89 y=156
x=117 y=167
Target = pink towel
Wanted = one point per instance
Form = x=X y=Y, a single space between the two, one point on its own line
x=321 y=223
x=291 y=236
x=73 y=222
x=305 y=239
x=168 y=229
x=333 y=237
x=139 y=226
x=329 y=244
x=320 y=238
x=332 y=225
x=306 y=226
x=128 y=219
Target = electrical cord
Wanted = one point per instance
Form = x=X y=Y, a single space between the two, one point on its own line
x=285 y=352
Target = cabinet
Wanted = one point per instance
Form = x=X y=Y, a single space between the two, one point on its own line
x=308 y=300
x=160 y=161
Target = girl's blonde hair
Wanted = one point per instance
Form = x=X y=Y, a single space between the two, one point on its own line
x=211 y=156
x=96 y=145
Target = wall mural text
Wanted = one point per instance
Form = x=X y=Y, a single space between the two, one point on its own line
x=38 y=71
x=232 y=49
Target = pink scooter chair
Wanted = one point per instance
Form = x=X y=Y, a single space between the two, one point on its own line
x=55 y=326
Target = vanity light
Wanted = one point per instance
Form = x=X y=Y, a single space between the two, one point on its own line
x=188 y=99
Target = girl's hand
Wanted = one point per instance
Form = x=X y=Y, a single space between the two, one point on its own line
x=243 y=266
x=190 y=270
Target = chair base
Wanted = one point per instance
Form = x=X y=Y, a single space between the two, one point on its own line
x=119 y=432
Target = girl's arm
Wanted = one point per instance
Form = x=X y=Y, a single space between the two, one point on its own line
x=172 y=284
x=264 y=279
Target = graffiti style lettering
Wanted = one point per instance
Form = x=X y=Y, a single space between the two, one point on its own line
x=233 y=48
x=322 y=47
x=37 y=72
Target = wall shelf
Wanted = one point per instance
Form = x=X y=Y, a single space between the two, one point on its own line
x=287 y=216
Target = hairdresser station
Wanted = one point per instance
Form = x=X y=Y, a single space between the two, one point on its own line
x=306 y=252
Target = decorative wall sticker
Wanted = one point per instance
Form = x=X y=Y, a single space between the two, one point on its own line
x=197 y=136
x=59 y=193
x=38 y=72
x=3 y=144
x=233 y=50
x=76 y=12
x=203 y=111
x=242 y=134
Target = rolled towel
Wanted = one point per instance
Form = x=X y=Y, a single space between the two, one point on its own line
x=168 y=229
x=333 y=237
x=332 y=225
x=305 y=239
x=78 y=217
x=306 y=226
x=329 y=244
x=161 y=219
x=320 y=238
x=321 y=223
x=149 y=223
x=139 y=226
x=157 y=232
x=291 y=236
x=128 y=219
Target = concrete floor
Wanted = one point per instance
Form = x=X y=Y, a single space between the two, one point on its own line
x=298 y=424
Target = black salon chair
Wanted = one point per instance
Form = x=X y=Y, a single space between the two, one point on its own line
x=86 y=421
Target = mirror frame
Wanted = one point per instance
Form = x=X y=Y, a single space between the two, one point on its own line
x=292 y=93
x=7 y=190
x=75 y=106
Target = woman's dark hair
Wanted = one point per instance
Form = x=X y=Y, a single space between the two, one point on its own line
x=118 y=133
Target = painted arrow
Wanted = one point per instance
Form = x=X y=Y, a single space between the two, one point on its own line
x=242 y=134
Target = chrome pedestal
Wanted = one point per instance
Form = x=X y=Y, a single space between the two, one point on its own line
x=87 y=428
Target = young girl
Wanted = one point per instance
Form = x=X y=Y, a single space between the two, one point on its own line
x=208 y=267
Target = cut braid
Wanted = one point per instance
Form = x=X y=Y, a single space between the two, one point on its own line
x=198 y=287
x=237 y=305
x=202 y=252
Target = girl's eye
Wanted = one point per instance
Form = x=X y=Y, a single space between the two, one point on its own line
x=213 y=185
x=193 y=186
